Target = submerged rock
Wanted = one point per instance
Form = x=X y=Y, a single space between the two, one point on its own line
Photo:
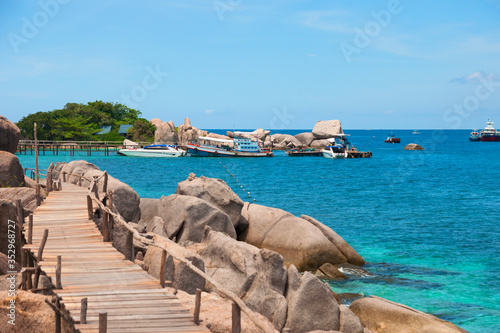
x=381 y=315
x=413 y=146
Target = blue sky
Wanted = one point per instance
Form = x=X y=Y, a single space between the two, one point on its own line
x=249 y=64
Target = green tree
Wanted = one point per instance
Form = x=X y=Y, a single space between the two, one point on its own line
x=142 y=130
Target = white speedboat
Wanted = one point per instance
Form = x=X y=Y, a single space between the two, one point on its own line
x=154 y=151
x=340 y=147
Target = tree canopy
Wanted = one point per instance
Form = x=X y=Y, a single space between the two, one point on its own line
x=81 y=122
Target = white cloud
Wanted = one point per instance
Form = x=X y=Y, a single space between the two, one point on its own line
x=209 y=111
x=476 y=77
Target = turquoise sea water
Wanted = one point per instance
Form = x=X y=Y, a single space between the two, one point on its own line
x=425 y=221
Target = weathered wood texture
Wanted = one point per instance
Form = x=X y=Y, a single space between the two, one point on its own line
x=93 y=269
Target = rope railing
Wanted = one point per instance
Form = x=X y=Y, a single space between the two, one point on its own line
x=264 y=325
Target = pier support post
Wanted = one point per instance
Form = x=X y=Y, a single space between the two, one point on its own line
x=162 y=267
x=105 y=226
x=90 y=209
x=30 y=229
x=130 y=246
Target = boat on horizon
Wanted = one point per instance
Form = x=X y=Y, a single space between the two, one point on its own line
x=243 y=145
x=340 y=147
x=489 y=133
x=474 y=136
x=392 y=139
x=154 y=151
x=416 y=132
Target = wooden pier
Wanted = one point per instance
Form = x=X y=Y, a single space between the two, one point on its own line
x=54 y=147
x=90 y=273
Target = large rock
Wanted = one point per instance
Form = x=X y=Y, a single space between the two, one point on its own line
x=149 y=208
x=186 y=216
x=305 y=138
x=413 y=146
x=320 y=143
x=155 y=122
x=285 y=140
x=166 y=134
x=9 y=135
x=349 y=323
x=216 y=192
x=299 y=242
x=325 y=129
x=11 y=171
x=218 y=136
x=177 y=272
x=25 y=194
x=157 y=226
x=125 y=199
x=8 y=212
x=352 y=256
x=256 y=275
x=380 y=315
x=311 y=304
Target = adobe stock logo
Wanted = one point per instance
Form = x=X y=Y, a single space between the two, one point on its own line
x=373 y=28
x=30 y=28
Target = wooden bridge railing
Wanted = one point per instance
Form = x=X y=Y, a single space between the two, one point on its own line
x=113 y=213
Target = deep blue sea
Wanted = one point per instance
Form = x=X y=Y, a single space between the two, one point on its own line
x=427 y=222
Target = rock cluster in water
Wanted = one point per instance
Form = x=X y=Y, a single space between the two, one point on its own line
x=167 y=133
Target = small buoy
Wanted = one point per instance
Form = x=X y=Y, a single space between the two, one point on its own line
x=241 y=186
x=244 y=190
x=253 y=200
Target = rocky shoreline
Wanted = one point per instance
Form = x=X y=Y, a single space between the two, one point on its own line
x=268 y=257
x=167 y=133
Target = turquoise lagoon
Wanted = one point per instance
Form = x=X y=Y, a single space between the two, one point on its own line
x=426 y=222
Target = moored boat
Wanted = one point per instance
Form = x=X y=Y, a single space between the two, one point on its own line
x=243 y=145
x=340 y=147
x=154 y=151
x=304 y=152
x=490 y=133
x=415 y=132
x=474 y=136
x=392 y=139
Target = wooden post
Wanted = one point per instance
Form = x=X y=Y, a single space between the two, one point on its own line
x=90 y=209
x=42 y=245
x=36 y=155
x=24 y=285
x=80 y=181
x=58 y=273
x=95 y=189
x=58 y=315
x=30 y=229
x=103 y=322
x=38 y=190
x=162 y=267
x=105 y=183
x=130 y=246
x=29 y=280
x=83 y=311
x=197 y=305
x=37 y=276
x=105 y=226
x=236 y=326
x=49 y=178
x=64 y=176
x=59 y=185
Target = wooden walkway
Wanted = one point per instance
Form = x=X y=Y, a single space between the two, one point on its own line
x=91 y=268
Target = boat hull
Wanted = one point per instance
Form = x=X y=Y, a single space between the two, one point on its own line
x=393 y=140
x=151 y=153
x=330 y=154
x=200 y=151
x=490 y=138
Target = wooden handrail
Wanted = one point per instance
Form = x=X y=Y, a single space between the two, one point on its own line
x=264 y=325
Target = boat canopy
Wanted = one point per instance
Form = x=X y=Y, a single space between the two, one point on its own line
x=214 y=139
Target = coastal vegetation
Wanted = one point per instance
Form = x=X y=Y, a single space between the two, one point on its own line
x=83 y=122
